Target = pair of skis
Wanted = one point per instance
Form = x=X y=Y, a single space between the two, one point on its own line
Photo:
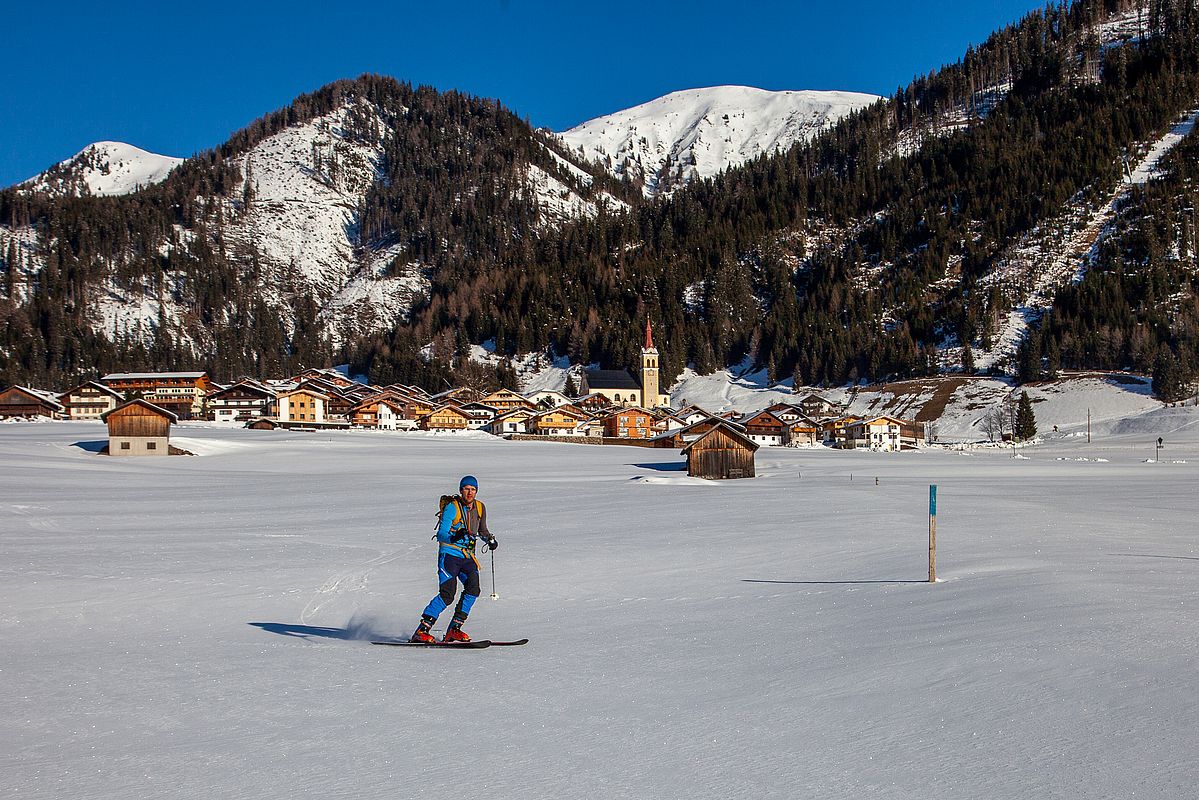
x=473 y=645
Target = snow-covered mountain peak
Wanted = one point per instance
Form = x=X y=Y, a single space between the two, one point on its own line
x=693 y=133
x=104 y=168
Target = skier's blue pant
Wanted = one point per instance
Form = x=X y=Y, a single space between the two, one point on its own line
x=450 y=570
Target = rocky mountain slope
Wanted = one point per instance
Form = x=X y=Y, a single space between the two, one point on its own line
x=103 y=169
x=698 y=133
x=287 y=226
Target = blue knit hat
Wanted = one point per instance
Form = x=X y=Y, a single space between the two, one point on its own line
x=468 y=480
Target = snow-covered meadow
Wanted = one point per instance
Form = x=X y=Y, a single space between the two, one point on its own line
x=194 y=626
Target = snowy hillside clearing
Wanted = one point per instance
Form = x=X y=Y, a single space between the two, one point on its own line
x=1062 y=250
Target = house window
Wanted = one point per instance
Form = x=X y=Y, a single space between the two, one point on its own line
x=124 y=445
x=151 y=445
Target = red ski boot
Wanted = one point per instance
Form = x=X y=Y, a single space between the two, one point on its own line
x=455 y=635
x=422 y=631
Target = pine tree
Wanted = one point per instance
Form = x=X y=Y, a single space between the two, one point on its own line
x=1026 y=420
x=11 y=262
x=247 y=195
x=1168 y=382
x=571 y=390
x=967 y=360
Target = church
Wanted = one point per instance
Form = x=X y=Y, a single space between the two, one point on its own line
x=622 y=389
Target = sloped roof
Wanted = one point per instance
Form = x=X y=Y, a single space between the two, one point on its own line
x=610 y=379
x=129 y=376
x=761 y=416
x=731 y=432
x=95 y=385
x=306 y=389
x=144 y=404
x=247 y=385
x=39 y=395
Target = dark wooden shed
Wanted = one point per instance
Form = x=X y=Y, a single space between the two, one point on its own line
x=722 y=452
x=17 y=401
x=139 y=428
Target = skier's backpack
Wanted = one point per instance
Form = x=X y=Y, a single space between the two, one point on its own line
x=445 y=500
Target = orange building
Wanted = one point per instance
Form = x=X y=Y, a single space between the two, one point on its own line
x=629 y=423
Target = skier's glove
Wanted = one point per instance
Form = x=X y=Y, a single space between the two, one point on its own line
x=491 y=543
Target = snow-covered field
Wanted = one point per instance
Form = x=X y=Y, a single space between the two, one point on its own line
x=192 y=627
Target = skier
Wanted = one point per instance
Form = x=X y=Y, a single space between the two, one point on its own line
x=463 y=520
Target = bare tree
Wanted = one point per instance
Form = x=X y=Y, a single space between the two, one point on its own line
x=994 y=423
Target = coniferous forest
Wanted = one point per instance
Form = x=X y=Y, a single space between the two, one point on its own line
x=853 y=257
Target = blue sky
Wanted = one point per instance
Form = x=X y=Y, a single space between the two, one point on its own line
x=176 y=80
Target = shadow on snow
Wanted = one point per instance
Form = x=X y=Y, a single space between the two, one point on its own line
x=1153 y=555
x=664 y=466
x=828 y=583
x=303 y=631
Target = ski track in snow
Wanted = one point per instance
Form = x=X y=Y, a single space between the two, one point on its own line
x=355 y=580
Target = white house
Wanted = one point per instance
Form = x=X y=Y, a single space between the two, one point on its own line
x=478 y=415
x=89 y=400
x=512 y=422
x=548 y=398
x=876 y=433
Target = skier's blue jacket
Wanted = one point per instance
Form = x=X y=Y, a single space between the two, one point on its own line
x=459 y=527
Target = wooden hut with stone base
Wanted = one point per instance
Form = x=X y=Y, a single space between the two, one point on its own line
x=138 y=428
x=722 y=452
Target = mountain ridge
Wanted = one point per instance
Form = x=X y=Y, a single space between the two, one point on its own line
x=672 y=140
x=103 y=169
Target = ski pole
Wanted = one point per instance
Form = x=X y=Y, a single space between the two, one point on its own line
x=494 y=596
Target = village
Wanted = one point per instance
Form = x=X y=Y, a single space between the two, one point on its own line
x=613 y=407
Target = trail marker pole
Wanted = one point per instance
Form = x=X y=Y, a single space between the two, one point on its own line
x=932 y=533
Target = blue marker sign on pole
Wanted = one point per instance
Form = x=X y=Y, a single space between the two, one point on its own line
x=932 y=533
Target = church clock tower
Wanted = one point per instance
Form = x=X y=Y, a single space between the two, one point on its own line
x=649 y=371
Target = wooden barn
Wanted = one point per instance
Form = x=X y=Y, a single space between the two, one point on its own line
x=18 y=401
x=138 y=428
x=722 y=452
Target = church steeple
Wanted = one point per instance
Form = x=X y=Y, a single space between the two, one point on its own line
x=649 y=370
